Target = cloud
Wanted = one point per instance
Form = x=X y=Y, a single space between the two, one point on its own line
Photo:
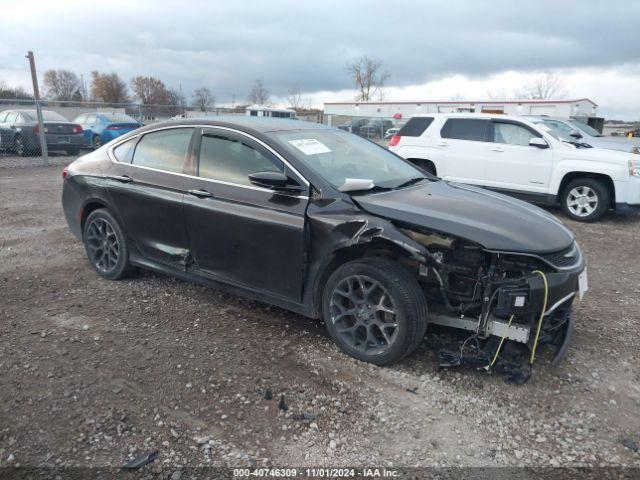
x=227 y=45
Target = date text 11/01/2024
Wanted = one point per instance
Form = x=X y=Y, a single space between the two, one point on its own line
x=316 y=472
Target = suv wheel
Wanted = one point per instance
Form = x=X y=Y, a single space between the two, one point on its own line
x=106 y=245
x=585 y=199
x=374 y=310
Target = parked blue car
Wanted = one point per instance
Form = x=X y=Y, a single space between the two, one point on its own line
x=100 y=128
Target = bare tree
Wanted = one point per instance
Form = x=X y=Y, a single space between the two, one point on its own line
x=203 y=99
x=175 y=100
x=499 y=94
x=544 y=86
x=258 y=95
x=368 y=77
x=61 y=84
x=150 y=90
x=108 y=88
x=295 y=98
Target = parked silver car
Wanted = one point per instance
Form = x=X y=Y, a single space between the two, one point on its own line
x=575 y=130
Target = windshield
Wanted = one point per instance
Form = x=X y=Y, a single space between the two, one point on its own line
x=585 y=128
x=117 y=117
x=338 y=156
x=47 y=115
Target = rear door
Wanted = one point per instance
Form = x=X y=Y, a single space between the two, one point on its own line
x=239 y=233
x=147 y=188
x=514 y=165
x=464 y=143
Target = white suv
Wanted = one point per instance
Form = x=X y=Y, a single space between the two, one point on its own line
x=513 y=155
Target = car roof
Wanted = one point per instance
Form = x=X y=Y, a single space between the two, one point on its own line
x=245 y=122
x=485 y=116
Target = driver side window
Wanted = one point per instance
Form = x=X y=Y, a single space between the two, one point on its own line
x=228 y=158
x=512 y=134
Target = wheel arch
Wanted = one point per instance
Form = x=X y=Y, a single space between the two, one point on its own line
x=90 y=206
x=568 y=177
x=425 y=164
x=377 y=248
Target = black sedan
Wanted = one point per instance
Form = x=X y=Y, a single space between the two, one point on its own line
x=19 y=132
x=330 y=225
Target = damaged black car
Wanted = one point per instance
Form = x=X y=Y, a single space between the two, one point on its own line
x=332 y=226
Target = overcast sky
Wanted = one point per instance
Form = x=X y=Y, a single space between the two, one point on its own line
x=432 y=49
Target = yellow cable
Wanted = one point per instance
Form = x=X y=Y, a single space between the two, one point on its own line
x=544 y=309
x=495 y=357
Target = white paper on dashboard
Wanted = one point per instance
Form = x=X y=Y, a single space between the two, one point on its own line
x=310 y=146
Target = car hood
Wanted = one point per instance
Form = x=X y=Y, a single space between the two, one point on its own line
x=614 y=143
x=495 y=221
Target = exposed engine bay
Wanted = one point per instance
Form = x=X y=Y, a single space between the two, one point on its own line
x=508 y=302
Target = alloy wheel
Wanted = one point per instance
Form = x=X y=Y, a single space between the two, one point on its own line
x=96 y=141
x=582 y=201
x=102 y=245
x=364 y=315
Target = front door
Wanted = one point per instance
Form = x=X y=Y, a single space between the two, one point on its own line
x=512 y=164
x=147 y=188
x=239 y=233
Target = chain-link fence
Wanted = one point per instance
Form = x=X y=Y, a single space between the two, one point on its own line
x=71 y=127
x=378 y=129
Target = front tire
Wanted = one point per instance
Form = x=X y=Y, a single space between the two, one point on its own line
x=374 y=310
x=585 y=199
x=106 y=246
x=75 y=151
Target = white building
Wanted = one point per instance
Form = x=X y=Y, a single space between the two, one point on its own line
x=582 y=107
x=260 y=111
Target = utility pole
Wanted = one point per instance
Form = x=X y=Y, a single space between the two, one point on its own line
x=181 y=101
x=36 y=96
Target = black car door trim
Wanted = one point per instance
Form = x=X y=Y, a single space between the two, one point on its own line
x=269 y=148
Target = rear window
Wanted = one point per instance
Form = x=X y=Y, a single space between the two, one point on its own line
x=466 y=129
x=415 y=126
x=163 y=150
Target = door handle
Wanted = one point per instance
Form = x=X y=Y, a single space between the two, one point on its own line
x=200 y=193
x=497 y=150
x=443 y=144
x=123 y=178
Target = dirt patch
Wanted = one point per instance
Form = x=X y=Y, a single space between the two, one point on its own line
x=96 y=372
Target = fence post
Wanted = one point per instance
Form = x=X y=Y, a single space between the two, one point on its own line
x=36 y=96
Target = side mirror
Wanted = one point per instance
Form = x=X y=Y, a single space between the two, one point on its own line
x=538 y=142
x=274 y=181
x=575 y=134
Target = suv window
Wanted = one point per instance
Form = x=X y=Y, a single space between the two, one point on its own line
x=513 y=134
x=415 y=126
x=230 y=159
x=163 y=150
x=466 y=129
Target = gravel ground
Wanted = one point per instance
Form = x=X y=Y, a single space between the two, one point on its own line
x=96 y=372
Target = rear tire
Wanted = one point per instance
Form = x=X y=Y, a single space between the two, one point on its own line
x=585 y=199
x=19 y=147
x=375 y=310
x=106 y=245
